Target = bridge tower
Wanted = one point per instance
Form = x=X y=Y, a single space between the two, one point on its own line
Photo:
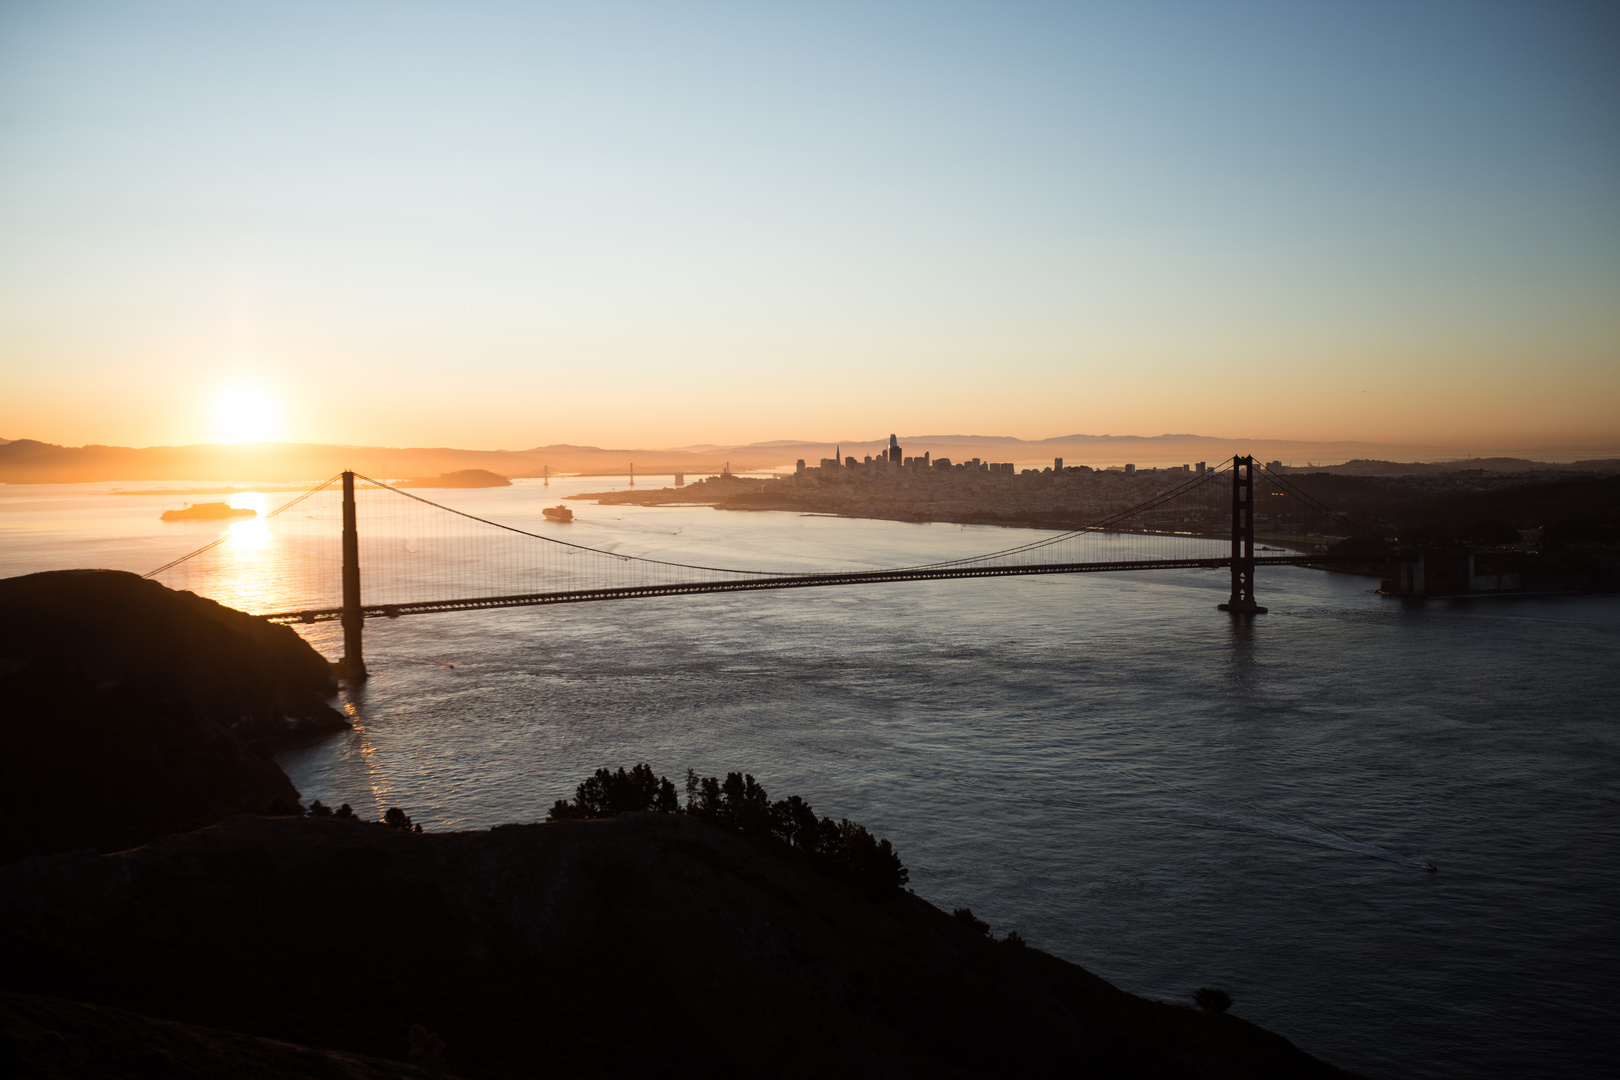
x=1242 y=599
x=353 y=664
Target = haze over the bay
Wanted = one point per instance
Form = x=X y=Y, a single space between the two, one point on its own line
x=509 y=225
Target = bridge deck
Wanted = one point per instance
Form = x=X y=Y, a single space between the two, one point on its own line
x=799 y=581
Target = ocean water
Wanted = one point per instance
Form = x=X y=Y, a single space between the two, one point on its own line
x=1104 y=763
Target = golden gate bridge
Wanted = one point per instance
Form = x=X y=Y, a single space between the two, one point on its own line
x=303 y=561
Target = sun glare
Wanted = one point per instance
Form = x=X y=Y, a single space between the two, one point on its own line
x=243 y=414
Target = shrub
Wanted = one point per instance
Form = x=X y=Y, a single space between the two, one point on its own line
x=344 y=811
x=965 y=915
x=606 y=794
x=1013 y=940
x=396 y=818
x=319 y=809
x=1207 y=997
x=427 y=1049
x=740 y=803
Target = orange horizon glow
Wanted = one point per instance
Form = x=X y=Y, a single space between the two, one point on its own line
x=1055 y=220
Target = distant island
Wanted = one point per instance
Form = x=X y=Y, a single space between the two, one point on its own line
x=461 y=478
x=214 y=511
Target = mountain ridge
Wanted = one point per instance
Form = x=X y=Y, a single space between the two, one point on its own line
x=30 y=461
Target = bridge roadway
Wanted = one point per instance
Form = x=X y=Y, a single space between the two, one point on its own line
x=799 y=581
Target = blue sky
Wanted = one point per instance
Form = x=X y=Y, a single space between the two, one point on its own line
x=655 y=224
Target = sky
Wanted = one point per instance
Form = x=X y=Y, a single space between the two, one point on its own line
x=505 y=225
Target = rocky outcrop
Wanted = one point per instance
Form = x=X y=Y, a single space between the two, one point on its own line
x=641 y=945
x=127 y=710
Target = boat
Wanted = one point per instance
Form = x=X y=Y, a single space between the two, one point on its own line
x=208 y=512
x=558 y=513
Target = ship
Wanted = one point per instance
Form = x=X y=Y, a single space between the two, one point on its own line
x=558 y=513
x=208 y=512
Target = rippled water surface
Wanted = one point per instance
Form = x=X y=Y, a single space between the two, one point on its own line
x=1103 y=763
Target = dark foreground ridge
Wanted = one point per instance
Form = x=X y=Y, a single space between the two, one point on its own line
x=50 y=1039
x=128 y=710
x=730 y=936
x=642 y=944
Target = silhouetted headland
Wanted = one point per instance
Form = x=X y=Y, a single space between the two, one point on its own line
x=630 y=936
x=129 y=711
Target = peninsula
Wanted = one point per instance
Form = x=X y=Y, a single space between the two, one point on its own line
x=1574 y=505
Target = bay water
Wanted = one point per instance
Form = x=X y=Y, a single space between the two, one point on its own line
x=1172 y=797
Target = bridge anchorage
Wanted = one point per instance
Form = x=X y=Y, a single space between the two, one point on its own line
x=421 y=556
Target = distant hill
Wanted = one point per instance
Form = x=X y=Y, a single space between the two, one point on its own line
x=464 y=478
x=1364 y=467
x=27 y=461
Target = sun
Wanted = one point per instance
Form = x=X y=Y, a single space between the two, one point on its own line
x=244 y=413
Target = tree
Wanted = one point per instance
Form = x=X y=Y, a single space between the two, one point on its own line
x=793 y=822
x=396 y=818
x=741 y=803
x=965 y=915
x=871 y=860
x=608 y=793
x=1207 y=997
